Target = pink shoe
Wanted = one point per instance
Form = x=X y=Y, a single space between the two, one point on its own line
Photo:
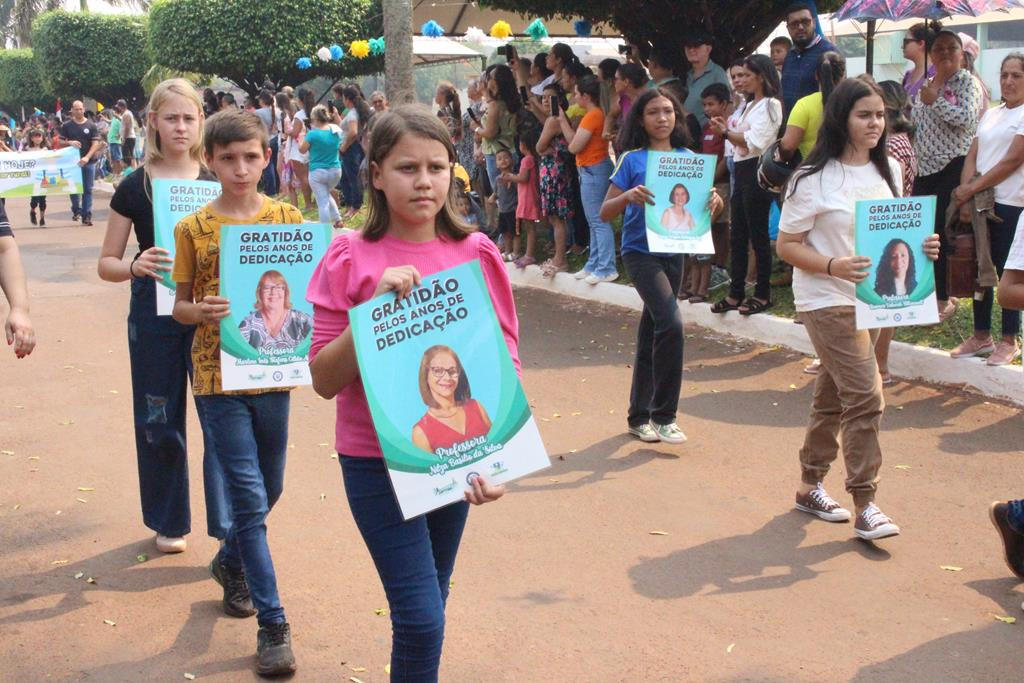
x=1004 y=354
x=973 y=347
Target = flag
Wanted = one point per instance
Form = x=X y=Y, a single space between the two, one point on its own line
x=99 y=107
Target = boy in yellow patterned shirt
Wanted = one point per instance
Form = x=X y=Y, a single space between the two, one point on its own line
x=250 y=427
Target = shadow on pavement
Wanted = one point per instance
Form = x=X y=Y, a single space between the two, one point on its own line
x=764 y=408
x=114 y=570
x=192 y=641
x=737 y=564
x=595 y=462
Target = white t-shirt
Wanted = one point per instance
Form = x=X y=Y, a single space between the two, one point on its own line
x=759 y=123
x=1015 y=260
x=996 y=132
x=823 y=207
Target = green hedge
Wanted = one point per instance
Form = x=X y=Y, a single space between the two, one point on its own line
x=97 y=55
x=249 y=41
x=20 y=85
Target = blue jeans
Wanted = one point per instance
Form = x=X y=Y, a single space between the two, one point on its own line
x=321 y=180
x=351 y=187
x=594 y=181
x=251 y=436
x=1016 y=515
x=658 y=368
x=160 y=351
x=81 y=204
x=414 y=559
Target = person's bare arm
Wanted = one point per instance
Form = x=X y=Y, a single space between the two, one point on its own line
x=1011 y=289
x=189 y=312
x=1004 y=168
x=18 y=326
x=791 y=140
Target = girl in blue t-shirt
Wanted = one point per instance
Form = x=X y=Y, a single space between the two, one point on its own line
x=655 y=122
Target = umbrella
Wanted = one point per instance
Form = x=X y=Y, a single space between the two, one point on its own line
x=895 y=10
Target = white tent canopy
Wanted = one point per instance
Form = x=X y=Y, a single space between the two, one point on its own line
x=439 y=50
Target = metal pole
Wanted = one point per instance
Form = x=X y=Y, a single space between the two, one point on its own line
x=869 y=54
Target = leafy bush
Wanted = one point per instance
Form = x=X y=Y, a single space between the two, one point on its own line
x=96 y=55
x=20 y=85
x=249 y=42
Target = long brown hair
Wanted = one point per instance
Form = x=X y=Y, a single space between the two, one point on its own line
x=388 y=130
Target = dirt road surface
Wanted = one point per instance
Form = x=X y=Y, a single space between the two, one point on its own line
x=563 y=579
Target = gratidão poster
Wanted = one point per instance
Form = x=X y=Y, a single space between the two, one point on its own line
x=264 y=273
x=443 y=392
x=900 y=287
x=174 y=200
x=43 y=172
x=679 y=221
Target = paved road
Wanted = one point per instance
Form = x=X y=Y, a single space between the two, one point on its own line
x=560 y=581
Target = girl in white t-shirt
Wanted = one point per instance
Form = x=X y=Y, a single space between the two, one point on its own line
x=996 y=160
x=848 y=163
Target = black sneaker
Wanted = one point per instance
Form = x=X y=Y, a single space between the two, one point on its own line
x=86 y=220
x=274 y=655
x=1013 y=542
x=237 y=602
x=32 y=216
x=75 y=216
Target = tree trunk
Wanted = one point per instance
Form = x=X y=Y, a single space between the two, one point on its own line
x=398 y=55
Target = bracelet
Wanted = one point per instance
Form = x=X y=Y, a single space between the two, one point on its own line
x=131 y=266
x=828 y=268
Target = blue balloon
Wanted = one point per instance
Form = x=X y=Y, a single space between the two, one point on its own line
x=303 y=62
x=432 y=29
x=337 y=52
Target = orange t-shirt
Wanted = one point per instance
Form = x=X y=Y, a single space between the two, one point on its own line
x=596 y=150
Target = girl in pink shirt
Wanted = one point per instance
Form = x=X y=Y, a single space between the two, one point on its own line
x=412 y=231
x=528 y=194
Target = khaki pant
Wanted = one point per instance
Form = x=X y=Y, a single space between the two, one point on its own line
x=847 y=399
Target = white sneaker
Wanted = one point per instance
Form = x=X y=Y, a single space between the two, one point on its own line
x=872 y=524
x=645 y=432
x=170 y=544
x=670 y=433
x=595 y=279
x=581 y=275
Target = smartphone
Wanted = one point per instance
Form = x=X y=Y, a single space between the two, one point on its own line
x=624 y=49
x=503 y=50
x=554 y=106
x=472 y=114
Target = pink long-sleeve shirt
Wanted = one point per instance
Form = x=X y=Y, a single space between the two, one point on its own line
x=348 y=275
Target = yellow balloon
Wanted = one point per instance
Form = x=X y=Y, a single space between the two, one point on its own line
x=501 y=29
x=359 y=48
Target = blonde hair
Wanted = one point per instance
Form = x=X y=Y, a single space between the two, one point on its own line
x=278 y=278
x=388 y=129
x=161 y=93
x=320 y=114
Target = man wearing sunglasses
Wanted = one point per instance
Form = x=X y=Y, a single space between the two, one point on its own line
x=802 y=61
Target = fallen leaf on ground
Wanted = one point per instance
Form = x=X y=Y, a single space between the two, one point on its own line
x=358 y=669
x=323 y=496
x=1005 y=619
x=79 y=575
x=658 y=533
x=190 y=677
x=380 y=611
x=731 y=646
x=556 y=415
x=792 y=386
x=951 y=568
x=6 y=452
x=86 y=488
x=775 y=403
x=323 y=443
x=58 y=512
x=65 y=423
x=899 y=407
x=59 y=563
x=353 y=679
x=576 y=413
x=108 y=622
x=90 y=580
x=17 y=505
x=33 y=457
x=141 y=557
x=387 y=669
x=901 y=467
x=115 y=391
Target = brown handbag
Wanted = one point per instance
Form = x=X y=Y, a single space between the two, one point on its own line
x=962 y=267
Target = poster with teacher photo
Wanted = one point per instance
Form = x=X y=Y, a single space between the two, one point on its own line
x=264 y=273
x=443 y=391
x=174 y=200
x=900 y=287
x=679 y=221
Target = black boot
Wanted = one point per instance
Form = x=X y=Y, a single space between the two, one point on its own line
x=237 y=601
x=274 y=655
x=32 y=216
x=42 y=218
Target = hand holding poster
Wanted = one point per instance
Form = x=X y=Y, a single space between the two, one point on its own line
x=174 y=200
x=679 y=221
x=40 y=172
x=900 y=287
x=264 y=272
x=443 y=391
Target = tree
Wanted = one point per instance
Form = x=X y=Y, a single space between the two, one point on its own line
x=738 y=26
x=17 y=16
x=398 y=58
x=96 y=55
x=249 y=41
x=19 y=82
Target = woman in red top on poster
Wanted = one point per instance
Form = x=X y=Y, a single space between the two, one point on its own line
x=452 y=415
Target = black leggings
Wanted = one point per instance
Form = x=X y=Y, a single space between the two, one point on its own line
x=749 y=206
x=38 y=201
x=941 y=185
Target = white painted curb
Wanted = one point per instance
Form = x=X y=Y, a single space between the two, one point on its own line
x=906 y=361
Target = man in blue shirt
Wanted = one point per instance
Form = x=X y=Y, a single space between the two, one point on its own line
x=703 y=72
x=802 y=61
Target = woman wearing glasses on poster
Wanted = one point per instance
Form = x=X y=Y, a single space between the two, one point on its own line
x=452 y=415
x=274 y=325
